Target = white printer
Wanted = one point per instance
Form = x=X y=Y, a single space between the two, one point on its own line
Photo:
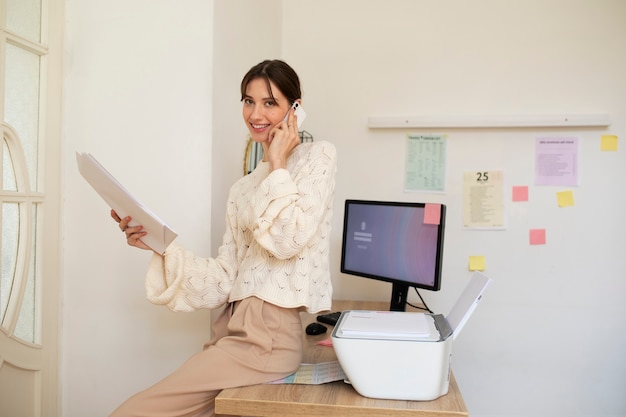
x=403 y=355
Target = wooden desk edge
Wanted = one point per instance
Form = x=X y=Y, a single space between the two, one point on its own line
x=229 y=402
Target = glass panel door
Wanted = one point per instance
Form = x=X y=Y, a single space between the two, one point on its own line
x=30 y=99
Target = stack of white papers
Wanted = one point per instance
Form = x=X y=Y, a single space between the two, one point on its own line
x=119 y=199
x=386 y=324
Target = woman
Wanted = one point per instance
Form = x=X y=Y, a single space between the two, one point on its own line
x=272 y=264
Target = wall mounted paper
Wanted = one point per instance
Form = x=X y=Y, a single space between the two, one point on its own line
x=483 y=200
x=556 y=161
x=425 y=163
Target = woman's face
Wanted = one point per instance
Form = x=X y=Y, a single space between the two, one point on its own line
x=260 y=112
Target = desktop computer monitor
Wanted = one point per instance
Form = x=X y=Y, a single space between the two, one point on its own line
x=401 y=243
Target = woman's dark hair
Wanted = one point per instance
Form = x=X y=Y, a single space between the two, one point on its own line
x=279 y=73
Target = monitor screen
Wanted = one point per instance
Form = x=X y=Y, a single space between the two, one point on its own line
x=401 y=243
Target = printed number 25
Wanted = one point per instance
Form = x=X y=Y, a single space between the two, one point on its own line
x=482 y=176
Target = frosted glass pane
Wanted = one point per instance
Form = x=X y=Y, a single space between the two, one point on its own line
x=24 y=18
x=21 y=103
x=26 y=328
x=8 y=173
x=10 y=236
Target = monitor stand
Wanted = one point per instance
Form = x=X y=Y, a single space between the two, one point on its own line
x=399 y=294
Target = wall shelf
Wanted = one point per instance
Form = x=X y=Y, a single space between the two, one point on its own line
x=445 y=121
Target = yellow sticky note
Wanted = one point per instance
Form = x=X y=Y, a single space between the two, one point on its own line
x=476 y=263
x=565 y=198
x=608 y=143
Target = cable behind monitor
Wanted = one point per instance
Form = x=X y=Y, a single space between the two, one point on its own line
x=423 y=302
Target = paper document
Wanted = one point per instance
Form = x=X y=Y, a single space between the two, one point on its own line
x=385 y=324
x=119 y=199
x=314 y=374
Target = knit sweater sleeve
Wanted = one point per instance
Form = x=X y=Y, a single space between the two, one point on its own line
x=290 y=204
x=185 y=282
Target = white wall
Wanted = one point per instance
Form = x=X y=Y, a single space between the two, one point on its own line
x=238 y=44
x=138 y=96
x=549 y=338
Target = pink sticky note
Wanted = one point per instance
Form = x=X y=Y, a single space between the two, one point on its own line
x=537 y=236
x=432 y=214
x=326 y=342
x=520 y=193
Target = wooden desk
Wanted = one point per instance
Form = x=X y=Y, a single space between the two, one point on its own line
x=332 y=399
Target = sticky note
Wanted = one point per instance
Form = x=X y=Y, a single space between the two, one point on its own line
x=565 y=198
x=537 y=236
x=326 y=342
x=432 y=214
x=520 y=193
x=476 y=263
x=608 y=143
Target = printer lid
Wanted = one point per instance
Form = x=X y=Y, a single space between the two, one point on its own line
x=413 y=326
x=467 y=302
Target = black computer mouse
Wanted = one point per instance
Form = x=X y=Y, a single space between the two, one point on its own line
x=315 y=328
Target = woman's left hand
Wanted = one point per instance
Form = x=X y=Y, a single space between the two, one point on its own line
x=283 y=139
x=133 y=233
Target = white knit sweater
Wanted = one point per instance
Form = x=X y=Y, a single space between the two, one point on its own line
x=276 y=244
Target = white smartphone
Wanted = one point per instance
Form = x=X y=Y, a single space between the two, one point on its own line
x=299 y=112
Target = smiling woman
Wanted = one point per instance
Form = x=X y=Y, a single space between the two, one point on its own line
x=267 y=92
x=273 y=262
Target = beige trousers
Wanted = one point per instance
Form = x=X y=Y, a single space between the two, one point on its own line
x=254 y=342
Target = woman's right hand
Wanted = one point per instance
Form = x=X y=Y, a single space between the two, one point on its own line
x=284 y=138
x=133 y=233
